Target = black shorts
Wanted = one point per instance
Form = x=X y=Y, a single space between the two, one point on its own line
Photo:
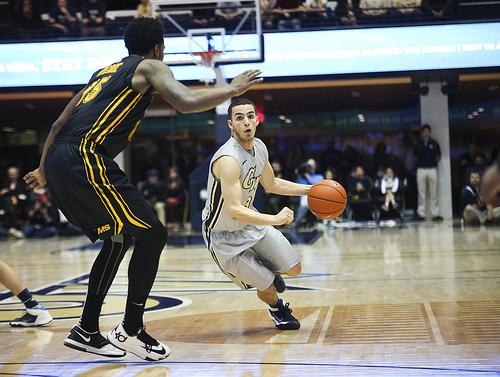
x=94 y=193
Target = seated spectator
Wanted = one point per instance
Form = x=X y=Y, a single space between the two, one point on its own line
x=175 y=199
x=438 y=9
x=389 y=188
x=288 y=13
x=344 y=13
x=266 y=8
x=472 y=208
x=42 y=218
x=28 y=20
x=62 y=18
x=13 y=202
x=93 y=17
x=144 y=9
x=406 y=10
x=316 y=12
x=155 y=192
x=374 y=11
x=202 y=16
x=228 y=14
x=360 y=195
x=306 y=175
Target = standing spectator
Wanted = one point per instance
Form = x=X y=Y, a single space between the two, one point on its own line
x=307 y=176
x=228 y=13
x=13 y=201
x=28 y=20
x=144 y=9
x=428 y=154
x=175 y=199
x=93 y=17
x=438 y=9
x=62 y=17
x=389 y=187
x=155 y=192
x=42 y=218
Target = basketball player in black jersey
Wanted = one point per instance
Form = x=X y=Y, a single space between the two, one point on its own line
x=88 y=186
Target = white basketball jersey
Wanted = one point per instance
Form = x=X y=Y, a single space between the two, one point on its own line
x=215 y=217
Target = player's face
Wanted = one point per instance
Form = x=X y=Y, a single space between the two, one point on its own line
x=243 y=122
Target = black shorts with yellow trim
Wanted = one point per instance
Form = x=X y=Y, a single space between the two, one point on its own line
x=94 y=193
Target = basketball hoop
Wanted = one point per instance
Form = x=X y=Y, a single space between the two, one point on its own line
x=206 y=61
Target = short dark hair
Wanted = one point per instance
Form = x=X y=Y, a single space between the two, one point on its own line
x=425 y=126
x=142 y=34
x=238 y=102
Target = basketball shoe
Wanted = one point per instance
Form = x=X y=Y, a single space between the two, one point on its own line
x=37 y=316
x=81 y=340
x=142 y=345
x=282 y=316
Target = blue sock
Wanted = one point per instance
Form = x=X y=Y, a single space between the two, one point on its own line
x=27 y=299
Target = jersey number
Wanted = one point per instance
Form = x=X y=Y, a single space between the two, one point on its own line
x=94 y=89
x=248 y=203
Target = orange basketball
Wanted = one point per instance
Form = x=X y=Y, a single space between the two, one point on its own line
x=327 y=199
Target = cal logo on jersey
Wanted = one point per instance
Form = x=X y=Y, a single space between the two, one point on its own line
x=103 y=229
x=251 y=181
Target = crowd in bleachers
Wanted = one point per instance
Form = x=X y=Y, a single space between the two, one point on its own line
x=31 y=19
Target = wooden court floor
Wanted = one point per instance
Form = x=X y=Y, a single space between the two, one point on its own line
x=422 y=300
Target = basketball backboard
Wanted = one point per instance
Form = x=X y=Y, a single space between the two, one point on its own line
x=233 y=28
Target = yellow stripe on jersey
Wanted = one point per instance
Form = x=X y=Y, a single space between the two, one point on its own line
x=119 y=199
x=116 y=122
x=134 y=130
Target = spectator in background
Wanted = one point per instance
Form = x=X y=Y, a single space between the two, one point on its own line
x=28 y=20
x=389 y=187
x=93 y=17
x=288 y=13
x=202 y=16
x=42 y=217
x=155 y=192
x=438 y=9
x=175 y=199
x=360 y=195
x=228 y=13
x=13 y=202
x=472 y=210
x=374 y=11
x=406 y=10
x=344 y=13
x=315 y=12
x=144 y=9
x=428 y=154
x=276 y=202
x=62 y=18
x=266 y=8
x=306 y=175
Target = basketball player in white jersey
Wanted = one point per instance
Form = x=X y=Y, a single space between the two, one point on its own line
x=242 y=241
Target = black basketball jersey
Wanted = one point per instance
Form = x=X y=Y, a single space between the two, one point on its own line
x=109 y=111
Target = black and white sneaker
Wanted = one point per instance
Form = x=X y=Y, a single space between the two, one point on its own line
x=37 y=316
x=81 y=340
x=279 y=284
x=283 y=318
x=142 y=345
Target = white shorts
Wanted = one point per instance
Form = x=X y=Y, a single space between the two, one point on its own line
x=255 y=266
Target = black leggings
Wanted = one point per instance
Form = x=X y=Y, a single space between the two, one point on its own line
x=142 y=271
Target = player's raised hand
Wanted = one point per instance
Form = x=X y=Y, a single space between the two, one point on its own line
x=245 y=80
x=285 y=216
x=35 y=179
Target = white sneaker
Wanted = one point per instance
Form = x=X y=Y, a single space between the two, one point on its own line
x=142 y=345
x=37 y=316
x=15 y=233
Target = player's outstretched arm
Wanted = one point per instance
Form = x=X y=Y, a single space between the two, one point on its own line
x=228 y=171
x=186 y=100
x=279 y=186
x=36 y=178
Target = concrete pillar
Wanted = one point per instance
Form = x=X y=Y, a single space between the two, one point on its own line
x=434 y=111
